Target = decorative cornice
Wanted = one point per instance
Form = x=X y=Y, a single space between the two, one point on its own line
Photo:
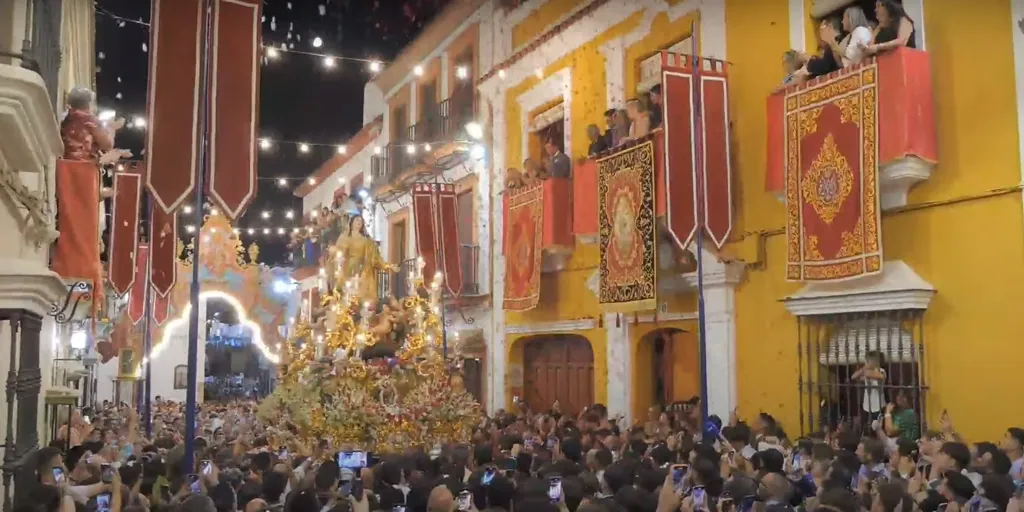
x=29 y=285
x=651 y=318
x=718 y=273
x=897 y=288
x=31 y=138
x=552 y=327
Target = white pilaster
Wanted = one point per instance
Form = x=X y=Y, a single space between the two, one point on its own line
x=720 y=280
x=797 y=25
x=412 y=116
x=496 y=350
x=620 y=374
x=1016 y=18
x=615 y=72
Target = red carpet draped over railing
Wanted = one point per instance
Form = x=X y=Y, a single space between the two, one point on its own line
x=557 y=221
x=76 y=254
x=906 y=113
x=524 y=214
x=833 y=217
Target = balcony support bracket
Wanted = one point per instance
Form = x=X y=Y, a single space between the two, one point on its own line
x=896 y=178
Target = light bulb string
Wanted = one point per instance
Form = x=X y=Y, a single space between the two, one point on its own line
x=267 y=47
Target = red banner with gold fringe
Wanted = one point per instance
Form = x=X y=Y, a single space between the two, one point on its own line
x=423 y=213
x=524 y=217
x=628 y=238
x=124 y=230
x=76 y=254
x=833 y=227
x=137 y=293
x=680 y=157
x=176 y=31
x=446 y=227
x=235 y=92
x=163 y=255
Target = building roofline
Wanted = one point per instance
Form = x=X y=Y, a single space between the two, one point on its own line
x=353 y=146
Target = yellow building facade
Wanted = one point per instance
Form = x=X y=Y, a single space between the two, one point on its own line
x=961 y=230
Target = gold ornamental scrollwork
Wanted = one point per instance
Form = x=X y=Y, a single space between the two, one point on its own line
x=828 y=182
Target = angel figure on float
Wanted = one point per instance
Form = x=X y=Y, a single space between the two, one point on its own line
x=360 y=259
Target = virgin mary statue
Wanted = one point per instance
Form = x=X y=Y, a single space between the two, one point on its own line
x=360 y=259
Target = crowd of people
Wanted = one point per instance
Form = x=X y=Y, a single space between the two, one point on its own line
x=522 y=460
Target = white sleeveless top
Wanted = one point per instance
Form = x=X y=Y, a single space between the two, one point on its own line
x=873 y=399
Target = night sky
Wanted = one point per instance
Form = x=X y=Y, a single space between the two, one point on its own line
x=300 y=100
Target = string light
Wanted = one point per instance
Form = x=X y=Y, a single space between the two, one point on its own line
x=317 y=42
x=304 y=148
x=375 y=66
x=329 y=62
x=461 y=73
x=282 y=182
x=265 y=214
x=289 y=214
x=342 y=149
x=312 y=181
x=418 y=70
x=264 y=144
x=187 y=209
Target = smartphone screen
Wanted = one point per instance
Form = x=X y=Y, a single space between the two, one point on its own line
x=679 y=477
x=103 y=502
x=552 y=442
x=58 y=475
x=699 y=499
x=555 y=489
x=205 y=467
x=106 y=473
x=193 y=484
x=1018 y=489
x=352 y=460
x=465 y=501
x=488 y=476
x=345 y=488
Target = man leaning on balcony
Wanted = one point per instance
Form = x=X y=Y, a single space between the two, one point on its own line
x=558 y=164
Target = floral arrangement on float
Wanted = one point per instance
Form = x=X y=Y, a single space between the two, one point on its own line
x=370 y=374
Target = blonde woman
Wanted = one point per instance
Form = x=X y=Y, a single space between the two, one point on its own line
x=640 y=119
x=853 y=48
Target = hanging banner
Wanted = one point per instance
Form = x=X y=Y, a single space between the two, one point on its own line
x=161 y=308
x=124 y=230
x=446 y=227
x=173 y=100
x=833 y=216
x=423 y=212
x=524 y=217
x=163 y=251
x=235 y=94
x=628 y=237
x=137 y=294
x=697 y=155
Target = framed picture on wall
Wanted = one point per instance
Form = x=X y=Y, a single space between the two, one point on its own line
x=126 y=363
x=180 y=376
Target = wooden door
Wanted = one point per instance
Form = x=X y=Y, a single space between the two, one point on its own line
x=559 y=368
x=464 y=220
x=399 y=124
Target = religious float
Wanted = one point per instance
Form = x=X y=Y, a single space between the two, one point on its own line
x=370 y=372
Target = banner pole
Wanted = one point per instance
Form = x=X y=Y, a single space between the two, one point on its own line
x=147 y=337
x=698 y=137
x=188 y=462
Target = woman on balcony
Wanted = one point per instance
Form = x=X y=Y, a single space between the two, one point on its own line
x=640 y=120
x=858 y=36
x=895 y=28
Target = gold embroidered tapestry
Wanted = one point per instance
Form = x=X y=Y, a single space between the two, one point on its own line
x=625 y=192
x=833 y=226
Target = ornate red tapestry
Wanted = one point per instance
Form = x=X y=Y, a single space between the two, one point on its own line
x=625 y=194
x=524 y=217
x=833 y=227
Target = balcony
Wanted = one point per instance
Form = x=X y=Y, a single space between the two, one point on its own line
x=555 y=197
x=442 y=128
x=396 y=284
x=905 y=122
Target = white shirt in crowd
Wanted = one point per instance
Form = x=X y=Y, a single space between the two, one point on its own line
x=855 y=45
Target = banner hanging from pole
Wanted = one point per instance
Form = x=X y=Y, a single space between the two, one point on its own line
x=423 y=213
x=446 y=228
x=137 y=294
x=124 y=230
x=161 y=308
x=234 y=84
x=163 y=251
x=176 y=31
